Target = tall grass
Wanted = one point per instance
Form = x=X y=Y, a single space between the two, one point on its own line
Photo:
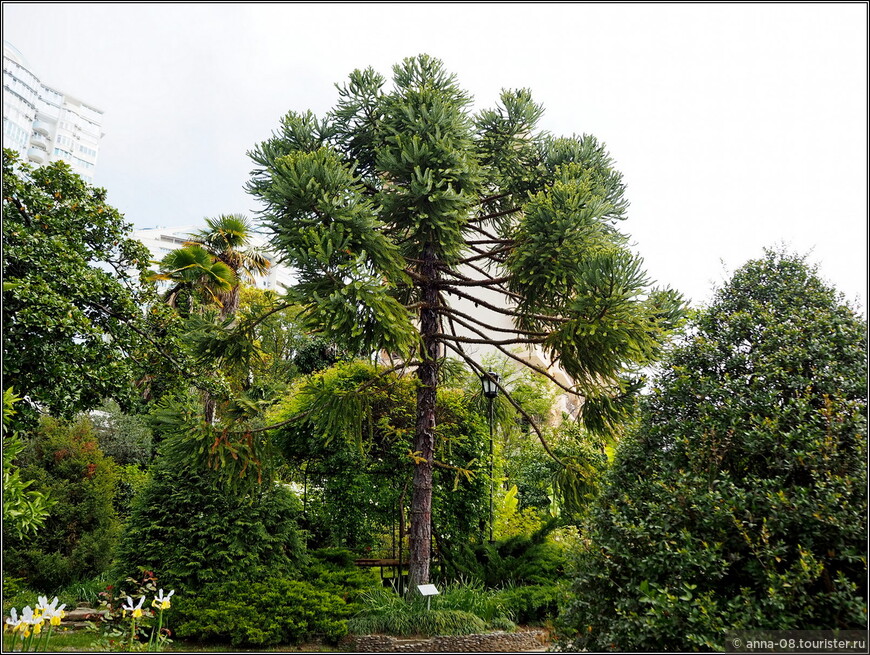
x=461 y=608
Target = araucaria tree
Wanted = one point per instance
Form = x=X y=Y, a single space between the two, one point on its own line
x=400 y=204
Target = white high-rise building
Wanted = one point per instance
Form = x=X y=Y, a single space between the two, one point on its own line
x=44 y=124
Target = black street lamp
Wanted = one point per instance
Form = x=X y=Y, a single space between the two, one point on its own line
x=490 y=390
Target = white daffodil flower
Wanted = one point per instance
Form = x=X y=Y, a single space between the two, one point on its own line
x=137 y=609
x=54 y=613
x=13 y=621
x=29 y=621
x=162 y=602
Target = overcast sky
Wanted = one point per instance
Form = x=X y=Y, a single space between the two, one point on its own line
x=737 y=126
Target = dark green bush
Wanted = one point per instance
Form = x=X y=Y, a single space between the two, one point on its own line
x=532 y=604
x=519 y=560
x=741 y=502
x=64 y=461
x=337 y=557
x=190 y=530
x=267 y=613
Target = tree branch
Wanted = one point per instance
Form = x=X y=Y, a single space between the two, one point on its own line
x=499 y=310
x=450 y=310
x=488 y=217
x=491 y=342
x=522 y=361
x=474 y=365
x=489 y=254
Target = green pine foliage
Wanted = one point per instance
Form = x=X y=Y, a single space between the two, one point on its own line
x=400 y=204
x=190 y=529
x=258 y=614
x=532 y=604
x=741 y=501
x=393 y=176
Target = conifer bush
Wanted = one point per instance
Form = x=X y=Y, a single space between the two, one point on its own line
x=267 y=613
x=63 y=461
x=190 y=529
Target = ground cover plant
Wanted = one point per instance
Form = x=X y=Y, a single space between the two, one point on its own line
x=459 y=609
x=741 y=501
x=273 y=611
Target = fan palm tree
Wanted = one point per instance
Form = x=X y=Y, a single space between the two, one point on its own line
x=228 y=240
x=193 y=269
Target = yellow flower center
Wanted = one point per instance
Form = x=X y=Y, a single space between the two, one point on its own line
x=137 y=613
x=55 y=620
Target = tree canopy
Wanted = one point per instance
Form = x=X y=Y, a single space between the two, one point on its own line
x=400 y=202
x=741 y=502
x=71 y=290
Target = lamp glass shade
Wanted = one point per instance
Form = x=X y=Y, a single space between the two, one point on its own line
x=490 y=388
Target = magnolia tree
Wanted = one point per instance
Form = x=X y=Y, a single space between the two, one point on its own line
x=401 y=203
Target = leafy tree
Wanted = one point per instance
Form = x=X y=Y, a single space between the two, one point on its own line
x=70 y=292
x=124 y=437
x=400 y=203
x=210 y=270
x=196 y=277
x=24 y=509
x=741 y=502
x=356 y=471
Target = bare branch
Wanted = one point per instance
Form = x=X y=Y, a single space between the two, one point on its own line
x=480 y=230
x=493 y=328
x=496 y=281
x=489 y=254
x=522 y=361
x=488 y=217
x=500 y=310
x=474 y=365
x=491 y=342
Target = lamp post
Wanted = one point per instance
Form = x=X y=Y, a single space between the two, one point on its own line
x=490 y=390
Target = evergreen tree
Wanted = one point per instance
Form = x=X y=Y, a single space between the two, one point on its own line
x=71 y=291
x=401 y=202
x=741 y=502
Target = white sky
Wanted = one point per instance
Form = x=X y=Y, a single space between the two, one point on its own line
x=736 y=126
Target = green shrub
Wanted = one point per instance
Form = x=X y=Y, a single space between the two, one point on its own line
x=190 y=530
x=76 y=542
x=502 y=623
x=532 y=604
x=266 y=613
x=338 y=557
x=124 y=437
x=518 y=560
x=741 y=502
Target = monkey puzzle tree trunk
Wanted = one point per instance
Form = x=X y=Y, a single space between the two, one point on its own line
x=420 y=535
